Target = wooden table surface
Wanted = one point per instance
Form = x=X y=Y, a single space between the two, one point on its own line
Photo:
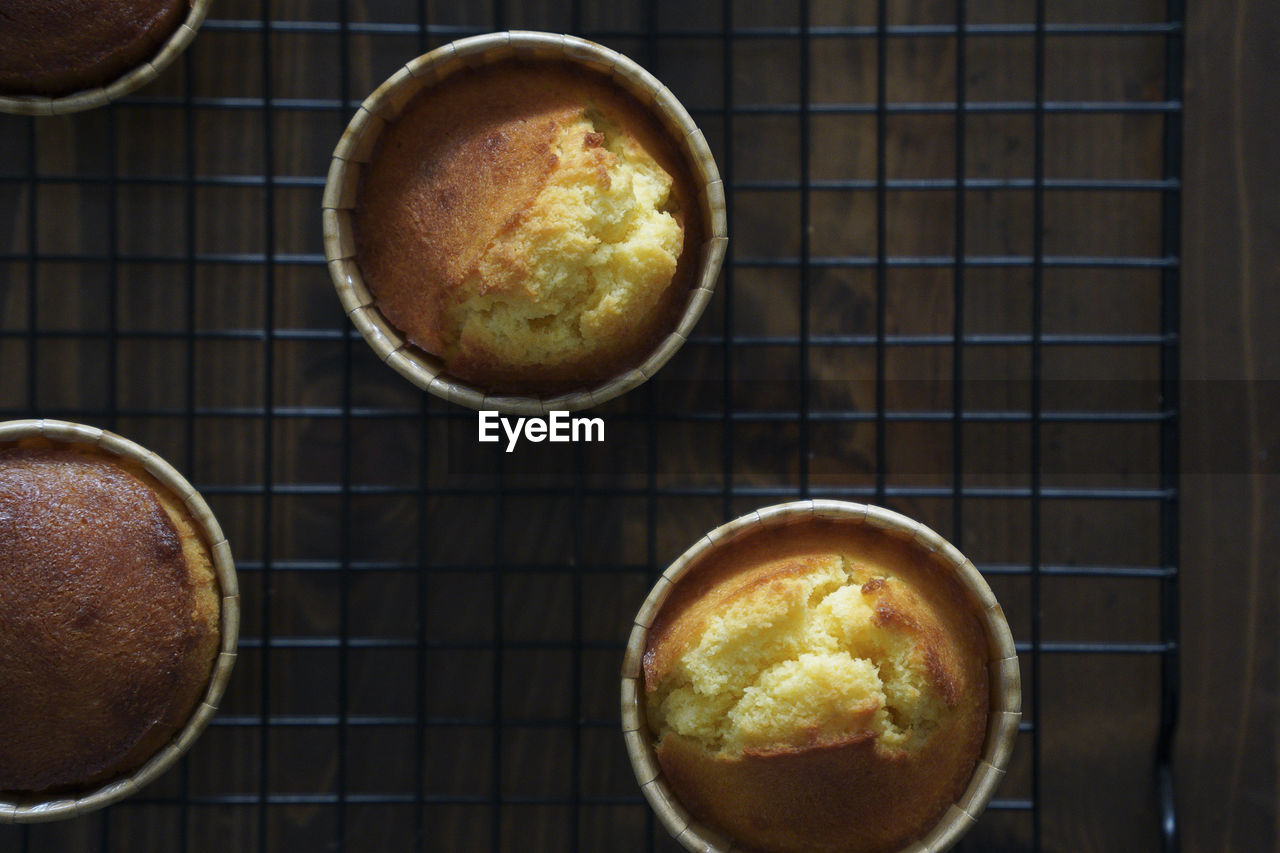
x=511 y=581
x=1228 y=758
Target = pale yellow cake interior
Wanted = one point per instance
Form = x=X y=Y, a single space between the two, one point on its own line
x=805 y=659
x=594 y=252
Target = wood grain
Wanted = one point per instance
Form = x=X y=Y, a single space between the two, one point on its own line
x=1229 y=740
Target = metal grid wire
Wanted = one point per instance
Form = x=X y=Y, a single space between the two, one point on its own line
x=952 y=290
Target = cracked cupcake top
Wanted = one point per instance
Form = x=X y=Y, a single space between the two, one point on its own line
x=817 y=685
x=528 y=224
x=817 y=649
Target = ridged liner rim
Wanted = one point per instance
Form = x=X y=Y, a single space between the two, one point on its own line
x=59 y=806
x=133 y=78
x=1005 y=686
x=356 y=146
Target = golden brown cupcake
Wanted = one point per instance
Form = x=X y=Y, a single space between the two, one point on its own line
x=109 y=616
x=530 y=224
x=817 y=686
x=56 y=47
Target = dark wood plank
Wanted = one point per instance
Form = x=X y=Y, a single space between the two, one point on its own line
x=1229 y=741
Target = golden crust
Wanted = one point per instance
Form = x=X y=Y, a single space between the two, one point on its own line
x=832 y=791
x=830 y=798
x=57 y=47
x=109 y=612
x=471 y=181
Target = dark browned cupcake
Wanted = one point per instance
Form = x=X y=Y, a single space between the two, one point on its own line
x=109 y=616
x=57 y=47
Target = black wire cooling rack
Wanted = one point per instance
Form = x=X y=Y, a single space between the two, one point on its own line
x=952 y=289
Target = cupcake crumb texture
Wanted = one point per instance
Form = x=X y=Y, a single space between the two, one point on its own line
x=596 y=248
x=822 y=650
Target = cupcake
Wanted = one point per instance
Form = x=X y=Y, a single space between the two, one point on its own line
x=113 y=634
x=524 y=224
x=820 y=684
x=51 y=50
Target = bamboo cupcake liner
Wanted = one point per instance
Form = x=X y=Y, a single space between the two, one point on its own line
x=36 y=808
x=1005 y=710
x=356 y=148
x=134 y=78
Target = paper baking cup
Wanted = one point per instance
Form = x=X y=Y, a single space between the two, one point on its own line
x=87 y=99
x=1005 y=709
x=37 y=808
x=385 y=104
